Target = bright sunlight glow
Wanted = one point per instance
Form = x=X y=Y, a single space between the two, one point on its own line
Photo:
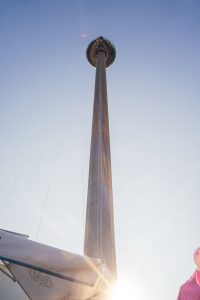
x=125 y=290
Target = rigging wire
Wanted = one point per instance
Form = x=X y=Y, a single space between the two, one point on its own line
x=82 y=20
x=49 y=184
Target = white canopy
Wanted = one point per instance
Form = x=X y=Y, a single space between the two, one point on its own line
x=45 y=272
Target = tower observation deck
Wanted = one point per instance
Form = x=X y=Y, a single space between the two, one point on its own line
x=99 y=228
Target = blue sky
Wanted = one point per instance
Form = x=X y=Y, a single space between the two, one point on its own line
x=46 y=97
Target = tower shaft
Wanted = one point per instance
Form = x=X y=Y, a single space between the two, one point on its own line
x=99 y=228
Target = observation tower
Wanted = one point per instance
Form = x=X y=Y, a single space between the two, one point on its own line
x=44 y=272
x=99 y=227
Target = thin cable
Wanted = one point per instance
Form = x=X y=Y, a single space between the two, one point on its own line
x=82 y=19
x=49 y=187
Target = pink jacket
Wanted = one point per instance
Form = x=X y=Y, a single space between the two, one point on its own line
x=190 y=290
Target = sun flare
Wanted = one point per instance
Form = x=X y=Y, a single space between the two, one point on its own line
x=124 y=290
